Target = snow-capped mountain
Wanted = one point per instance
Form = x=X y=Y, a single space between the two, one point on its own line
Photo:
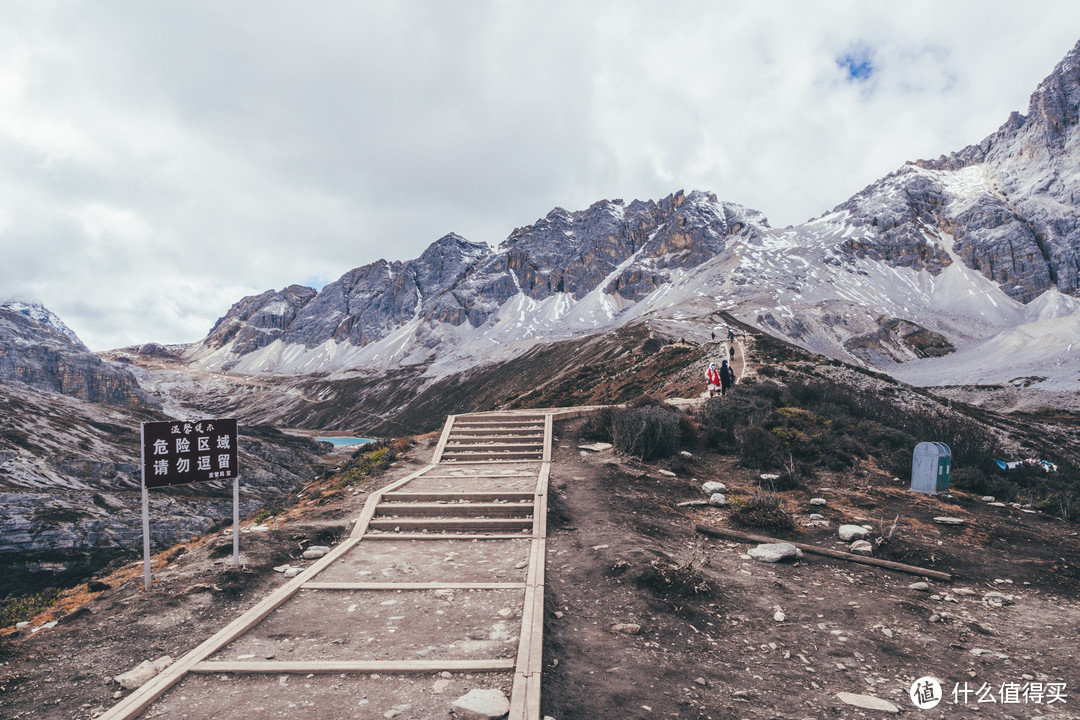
x=957 y=270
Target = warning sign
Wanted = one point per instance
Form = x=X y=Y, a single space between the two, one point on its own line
x=178 y=453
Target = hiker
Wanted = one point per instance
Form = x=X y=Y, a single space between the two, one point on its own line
x=727 y=377
x=714 y=379
x=732 y=351
x=730 y=335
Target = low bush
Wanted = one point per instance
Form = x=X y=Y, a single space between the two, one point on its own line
x=646 y=432
x=763 y=510
x=19 y=609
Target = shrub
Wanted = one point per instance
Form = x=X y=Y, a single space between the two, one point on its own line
x=646 y=432
x=16 y=610
x=597 y=426
x=762 y=510
x=758 y=448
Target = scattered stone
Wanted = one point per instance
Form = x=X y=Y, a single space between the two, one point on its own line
x=315 y=552
x=21 y=625
x=995 y=599
x=818 y=501
x=506 y=612
x=998 y=504
x=934 y=618
x=686 y=453
x=949 y=521
x=667 y=473
x=440 y=686
x=867 y=702
x=769 y=476
x=920 y=586
x=718 y=499
x=596 y=447
x=700 y=681
x=711 y=487
x=988 y=498
x=292 y=572
x=964 y=591
x=816 y=517
x=281 y=568
x=779 y=615
x=600 y=547
x=481 y=704
x=773 y=552
x=626 y=628
x=522 y=564
x=848 y=533
x=862 y=547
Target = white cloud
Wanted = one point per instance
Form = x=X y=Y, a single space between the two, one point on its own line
x=159 y=160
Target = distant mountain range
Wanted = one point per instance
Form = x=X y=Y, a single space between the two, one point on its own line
x=957 y=270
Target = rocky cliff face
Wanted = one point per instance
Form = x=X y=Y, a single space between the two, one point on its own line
x=1022 y=227
x=38 y=350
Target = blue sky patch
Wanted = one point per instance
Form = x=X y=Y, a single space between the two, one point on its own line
x=858 y=64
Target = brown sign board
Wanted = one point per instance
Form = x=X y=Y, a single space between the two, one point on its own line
x=178 y=452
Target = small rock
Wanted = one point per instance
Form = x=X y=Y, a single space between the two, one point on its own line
x=769 y=476
x=700 y=681
x=867 y=702
x=440 y=686
x=711 y=488
x=281 y=568
x=862 y=547
x=137 y=676
x=522 y=564
x=818 y=501
x=988 y=498
x=292 y=572
x=773 y=552
x=934 y=618
x=626 y=628
x=315 y=551
x=718 y=499
x=481 y=704
x=948 y=521
x=667 y=473
x=848 y=533
x=816 y=517
x=686 y=453
x=997 y=504
x=596 y=447
x=779 y=615
x=920 y=586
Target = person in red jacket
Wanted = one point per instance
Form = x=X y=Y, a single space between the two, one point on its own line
x=712 y=377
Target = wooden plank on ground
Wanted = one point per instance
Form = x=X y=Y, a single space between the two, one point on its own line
x=353 y=666
x=456 y=509
x=405 y=496
x=717 y=531
x=414 y=586
x=414 y=524
x=445 y=536
x=437 y=456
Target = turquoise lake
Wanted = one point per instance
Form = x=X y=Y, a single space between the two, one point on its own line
x=343 y=441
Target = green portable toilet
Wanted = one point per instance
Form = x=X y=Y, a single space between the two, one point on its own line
x=930 y=468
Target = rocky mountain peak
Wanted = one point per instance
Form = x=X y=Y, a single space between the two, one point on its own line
x=38 y=350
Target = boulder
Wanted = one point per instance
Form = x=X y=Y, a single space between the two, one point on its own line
x=481 y=704
x=718 y=499
x=848 y=533
x=711 y=488
x=315 y=551
x=862 y=547
x=774 y=552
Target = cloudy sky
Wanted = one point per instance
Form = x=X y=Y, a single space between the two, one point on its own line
x=160 y=160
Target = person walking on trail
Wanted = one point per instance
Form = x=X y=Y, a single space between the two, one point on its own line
x=713 y=379
x=727 y=377
x=730 y=335
x=731 y=350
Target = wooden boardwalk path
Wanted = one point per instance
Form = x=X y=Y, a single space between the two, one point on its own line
x=438 y=590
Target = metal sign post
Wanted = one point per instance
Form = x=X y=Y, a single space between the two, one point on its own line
x=176 y=452
x=236 y=522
